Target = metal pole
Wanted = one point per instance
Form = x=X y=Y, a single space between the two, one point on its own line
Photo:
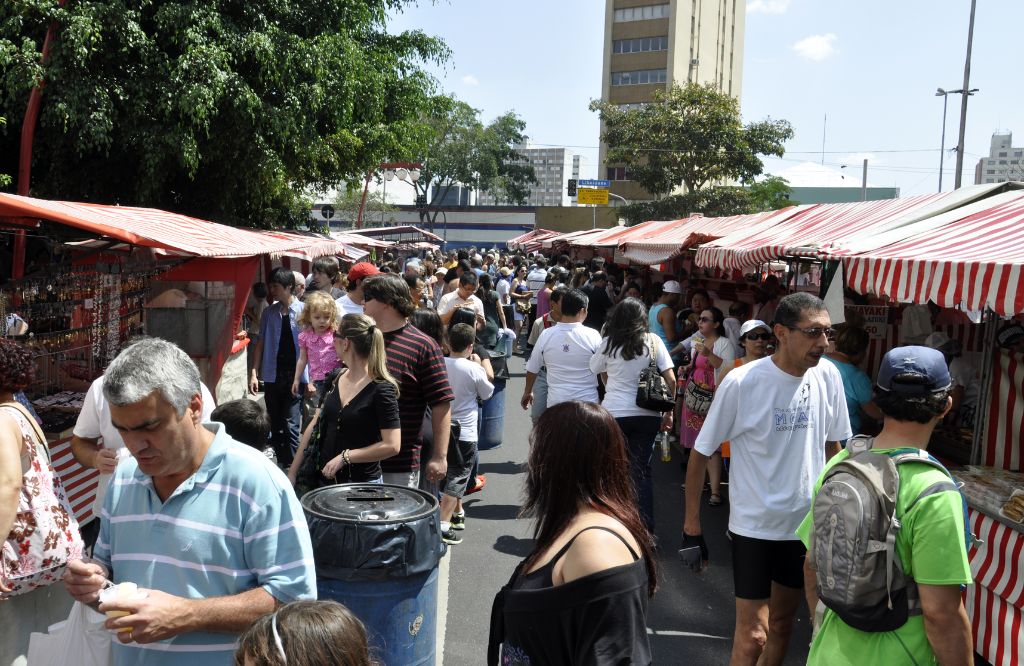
x=864 y=183
x=594 y=215
x=981 y=414
x=384 y=201
x=942 y=148
x=963 y=100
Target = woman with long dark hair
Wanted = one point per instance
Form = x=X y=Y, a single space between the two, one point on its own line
x=581 y=596
x=627 y=348
x=494 y=316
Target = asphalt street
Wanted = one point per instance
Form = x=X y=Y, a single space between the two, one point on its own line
x=691 y=617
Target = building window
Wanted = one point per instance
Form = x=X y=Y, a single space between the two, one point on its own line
x=639 y=77
x=1002 y=161
x=617 y=173
x=1002 y=154
x=991 y=171
x=640 y=45
x=632 y=106
x=645 y=13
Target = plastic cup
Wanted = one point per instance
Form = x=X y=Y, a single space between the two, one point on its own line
x=120 y=592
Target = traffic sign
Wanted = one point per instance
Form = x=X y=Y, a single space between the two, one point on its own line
x=595 y=183
x=327 y=211
x=592 y=195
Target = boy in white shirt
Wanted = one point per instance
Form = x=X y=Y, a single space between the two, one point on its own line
x=469 y=383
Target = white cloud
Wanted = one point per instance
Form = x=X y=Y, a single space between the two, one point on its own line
x=816 y=47
x=470 y=80
x=767 y=6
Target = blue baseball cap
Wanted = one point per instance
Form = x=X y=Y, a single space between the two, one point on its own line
x=913 y=370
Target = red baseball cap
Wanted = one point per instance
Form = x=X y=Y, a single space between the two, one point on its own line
x=363 y=269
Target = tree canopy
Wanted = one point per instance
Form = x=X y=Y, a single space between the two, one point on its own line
x=690 y=135
x=462 y=149
x=228 y=111
x=770 y=193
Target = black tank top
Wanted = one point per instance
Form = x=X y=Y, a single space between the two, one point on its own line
x=541 y=578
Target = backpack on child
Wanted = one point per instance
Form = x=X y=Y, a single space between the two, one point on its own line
x=853 y=541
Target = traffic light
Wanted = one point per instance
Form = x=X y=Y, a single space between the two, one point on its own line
x=421 y=200
x=572 y=187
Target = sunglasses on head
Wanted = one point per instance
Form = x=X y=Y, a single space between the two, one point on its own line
x=757 y=336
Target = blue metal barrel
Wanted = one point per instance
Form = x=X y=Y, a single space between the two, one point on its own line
x=376 y=549
x=492 y=418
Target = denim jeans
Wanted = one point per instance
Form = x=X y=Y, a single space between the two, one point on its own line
x=639 y=432
x=284 y=410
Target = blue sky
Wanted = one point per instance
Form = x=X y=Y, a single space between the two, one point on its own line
x=871 y=66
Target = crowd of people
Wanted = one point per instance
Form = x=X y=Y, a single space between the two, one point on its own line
x=377 y=375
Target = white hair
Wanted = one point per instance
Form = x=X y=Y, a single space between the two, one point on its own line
x=149 y=365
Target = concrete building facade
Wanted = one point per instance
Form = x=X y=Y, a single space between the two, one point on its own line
x=649 y=44
x=1004 y=162
x=552 y=167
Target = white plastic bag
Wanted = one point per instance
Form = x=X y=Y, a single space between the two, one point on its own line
x=80 y=640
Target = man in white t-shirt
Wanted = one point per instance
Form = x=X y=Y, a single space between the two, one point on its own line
x=463 y=297
x=565 y=350
x=784 y=416
x=92 y=425
x=352 y=301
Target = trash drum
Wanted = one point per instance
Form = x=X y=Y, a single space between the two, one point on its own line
x=492 y=418
x=376 y=549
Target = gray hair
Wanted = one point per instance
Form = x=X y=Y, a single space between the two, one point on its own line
x=791 y=308
x=148 y=365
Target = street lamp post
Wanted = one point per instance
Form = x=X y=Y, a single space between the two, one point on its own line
x=944 y=94
x=963 y=100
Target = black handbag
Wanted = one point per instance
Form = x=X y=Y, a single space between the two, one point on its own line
x=652 y=391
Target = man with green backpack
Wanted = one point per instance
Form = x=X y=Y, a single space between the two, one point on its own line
x=886 y=534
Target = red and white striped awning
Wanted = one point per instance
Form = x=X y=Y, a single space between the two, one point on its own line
x=973 y=262
x=520 y=242
x=571 y=238
x=613 y=237
x=814 y=230
x=364 y=242
x=669 y=241
x=168 y=232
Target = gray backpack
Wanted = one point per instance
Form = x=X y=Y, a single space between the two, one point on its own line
x=853 y=542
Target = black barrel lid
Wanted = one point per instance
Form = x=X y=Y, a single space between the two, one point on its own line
x=372 y=503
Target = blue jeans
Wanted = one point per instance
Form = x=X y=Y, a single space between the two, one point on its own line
x=284 y=410
x=639 y=432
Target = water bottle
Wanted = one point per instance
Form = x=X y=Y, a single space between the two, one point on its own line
x=665 y=446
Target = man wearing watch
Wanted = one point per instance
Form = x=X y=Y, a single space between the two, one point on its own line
x=784 y=416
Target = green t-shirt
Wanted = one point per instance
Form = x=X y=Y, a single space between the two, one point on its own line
x=930 y=545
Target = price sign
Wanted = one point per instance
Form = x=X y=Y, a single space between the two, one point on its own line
x=875 y=318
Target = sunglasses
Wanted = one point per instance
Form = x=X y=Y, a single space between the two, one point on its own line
x=757 y=336
x=816 y=332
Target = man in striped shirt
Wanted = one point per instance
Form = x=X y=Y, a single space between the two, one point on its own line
x=416 y=361
x=207 y=527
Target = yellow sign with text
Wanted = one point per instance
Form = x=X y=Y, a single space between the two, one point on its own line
x=592 y=196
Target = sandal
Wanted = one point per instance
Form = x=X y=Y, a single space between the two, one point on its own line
x=715 y=500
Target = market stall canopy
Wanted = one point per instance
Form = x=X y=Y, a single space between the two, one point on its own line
x=314 y=245
x=812 y=231
x=530 y=238
x=974 y=261
x=169 y=233
x=612 y=238
x=364 y=242
x=400 y=234
x=570 y=237
x=668 y=241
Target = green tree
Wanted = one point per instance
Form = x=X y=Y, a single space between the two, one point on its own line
x=229 y=111
x=770 y=193
x=690 y=135
x=346 y=207
x=461 y=149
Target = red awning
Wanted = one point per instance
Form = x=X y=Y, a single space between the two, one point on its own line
x=813 y=230
x=669 y=241
x=974 y=262
x=148 y=227
x=535 y=236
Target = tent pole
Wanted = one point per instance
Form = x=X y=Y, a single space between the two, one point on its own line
x=981 y=418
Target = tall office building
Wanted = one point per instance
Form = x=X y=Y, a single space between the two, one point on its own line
x=649 y=44
x=1004 y=162
x=552 y=167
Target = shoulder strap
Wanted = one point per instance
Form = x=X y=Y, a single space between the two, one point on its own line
x=571 y=541
x=40 y=436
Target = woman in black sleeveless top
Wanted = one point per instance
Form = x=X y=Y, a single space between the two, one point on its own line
x=581 y=596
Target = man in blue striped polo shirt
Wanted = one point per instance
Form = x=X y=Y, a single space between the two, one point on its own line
x=207 y=527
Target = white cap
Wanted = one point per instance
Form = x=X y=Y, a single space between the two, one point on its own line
x=671 y=287
x=751 y=325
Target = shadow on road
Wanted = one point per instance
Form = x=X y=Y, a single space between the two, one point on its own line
x=508 y=467
x=511 y=545
x=491 y=511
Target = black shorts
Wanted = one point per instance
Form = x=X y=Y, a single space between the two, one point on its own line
x=461 y=457
x=757 y=563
